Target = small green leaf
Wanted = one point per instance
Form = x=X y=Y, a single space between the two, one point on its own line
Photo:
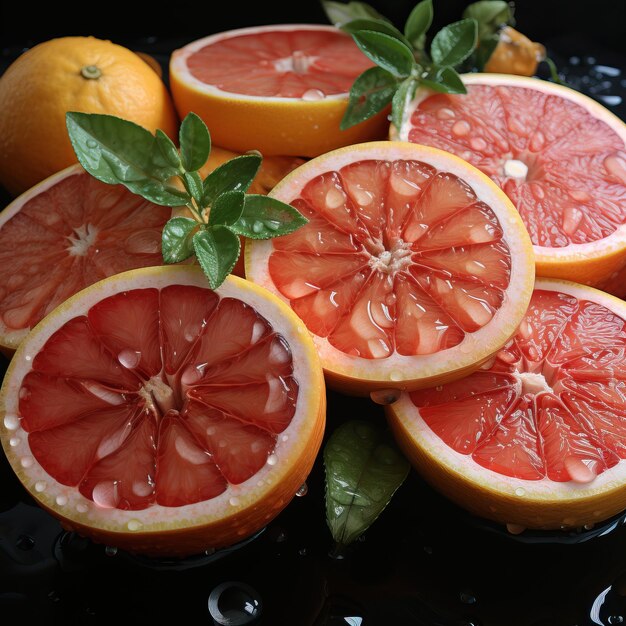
x=234 y=175
x=371 y=92
x=418 y=23
x=195 y=142
x=379 y=26
x=116 y=151
x=264 y=218
x=401 y=100
x=176 y=241
x=167 y=149
x=554 y=72
x=446 y=80
x=454 y=43
x=363 y=471
x=227 y=208
x=483 y=52
x=490 y=15
x=217 y=250
x=193 y=184
x=387 y=52
x=339 y=13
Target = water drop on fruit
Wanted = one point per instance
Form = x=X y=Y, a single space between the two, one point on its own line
x=129 y=358
x=26 y=461
x=82 y=508
x=520 y=491
x=233 y=501
x=61 y=500
x=385 y=396
x=11 y=422
x=110 y=550
x=14 y=442
x=461 y=128
x=272 y=459
x=303 y=490
x=515 y=529
x=311 y=95
x=40 y=486
x=134 y=524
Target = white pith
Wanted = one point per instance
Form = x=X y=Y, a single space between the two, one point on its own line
x=540 y=491
x=575 y=252
x=178 y=62
x=477 y=346
x=67 y=501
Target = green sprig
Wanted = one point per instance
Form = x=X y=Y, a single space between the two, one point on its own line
x=117 y=151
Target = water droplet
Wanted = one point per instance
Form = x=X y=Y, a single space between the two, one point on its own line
x=272 y=224
x=477 y=143
x=61 y=500
x=110 y=550
x=53 y=596
x=395 y=375
x=25 y=542
x=26 y=461
x=515 y=529
x=284 y=438
x=91 y=143
x=209 y=551
x=134 y=524
x=257 y=226
x=105 y=494
x=233 y=501
x=614 y=619
x=588 y=526
x=311 y=95
x=272 y=459
x=445 y=114
x=302 y=551
x=40 y=486
x=610 y=100
x=520 y=491
x=11 y=422
x=14 y=441
x=303 y=490
x=234 y=603
x=461 y=128
x=129 y=358
x=466 y=597
x=385 y=396
x=82 y=508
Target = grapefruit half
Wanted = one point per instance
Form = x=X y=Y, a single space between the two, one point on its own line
x=414 y=267
x=537 y=437
x=559 y=155
x=281 y=90
x=153 y=414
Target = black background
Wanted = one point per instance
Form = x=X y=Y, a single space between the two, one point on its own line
x=424 y=562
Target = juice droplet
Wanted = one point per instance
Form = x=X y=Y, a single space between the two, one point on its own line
x=61 y=500
x=134 y=524
x=11 y=422
x=272 y=459
x=234 y=501
x=461 y=128
x=385 y=396
x=110 y=550
x=14 y=441
x=303 y=490
x=82 y=508
x=445 y=114
x=520 y=491
x=395 y=375
x=40 y=486
x=26 y=461
x=129 y=358
x=477 y=143
x=515 y=529
x=311 y=95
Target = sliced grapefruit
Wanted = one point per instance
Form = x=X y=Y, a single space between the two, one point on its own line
x=153 y=414
x=72 y=230
x=413 y=268
x=279 y=89
x=559 y=155
x=537 y=437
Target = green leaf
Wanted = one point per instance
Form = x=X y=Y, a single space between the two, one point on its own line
x=176 y=241
x=401 y=100
x=363 y=471
x=117 y=151
x=454 y=43
x=193 y=184
x=168 y=149
x=418 y=23
x=339 y=13
x=234 y=175
x=379 y=26
x=227 y=208
x=490 y=16
x=217 y=250
x=264 y=217
x=446 y=80
x=554 y=72
x=485 y=49
x=371 y=92
x=195 y=142
x=387 y=52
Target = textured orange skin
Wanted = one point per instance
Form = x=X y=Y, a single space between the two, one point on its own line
x=497 y=506
x=275 y=127
x=45 y=82
x=515 y=54
x=228 y=530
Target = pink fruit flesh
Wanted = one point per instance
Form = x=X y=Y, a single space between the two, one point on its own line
x=158 y=397
x=396 y=257
x=65 y=238
x=552 y=405
x=308 y=64
x=574 y=189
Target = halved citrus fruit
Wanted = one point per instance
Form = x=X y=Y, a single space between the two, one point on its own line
x=559 y=155
x=537 y=437
x=153 y=414
x=279 y=89
x=72 y=230
x=413 y=268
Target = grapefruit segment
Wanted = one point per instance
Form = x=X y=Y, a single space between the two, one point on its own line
x=371 y=292
x=197 y=412
x=558 y=155
x=537 y=437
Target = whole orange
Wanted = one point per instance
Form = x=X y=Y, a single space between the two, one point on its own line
x=70 y=74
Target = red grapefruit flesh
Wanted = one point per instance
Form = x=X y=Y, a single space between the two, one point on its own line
x=537 y=437
x=152 y=403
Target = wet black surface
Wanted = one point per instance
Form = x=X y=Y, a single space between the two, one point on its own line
x=423 y=563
